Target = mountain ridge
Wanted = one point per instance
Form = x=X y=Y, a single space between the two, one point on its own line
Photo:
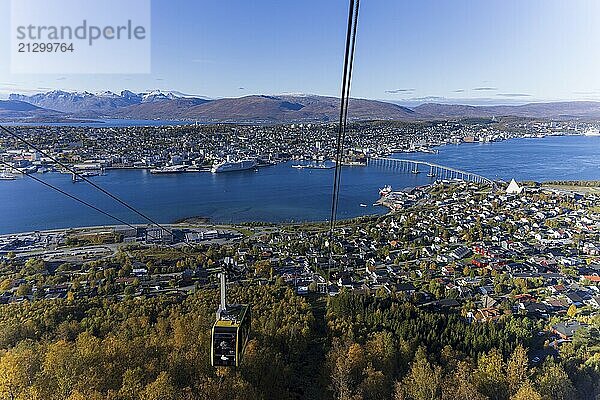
x=15 y=109
x=282 y=108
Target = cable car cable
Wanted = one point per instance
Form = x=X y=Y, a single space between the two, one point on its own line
x=59 y=190
x=83 y=178
x=348 y=66
x=85 y=203
x=341 y=121
x=344 y=101
x=350 y=69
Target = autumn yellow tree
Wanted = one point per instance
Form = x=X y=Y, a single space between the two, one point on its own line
x=517 y=370
x=132 y=385
x=161 y=389
x=18 y=369
x=423 y=381
x=60 y=370
x=490 y=376
x=346 y=364
x=554 y=383
x=373 y=386
x=526 y=392
x=461 y=385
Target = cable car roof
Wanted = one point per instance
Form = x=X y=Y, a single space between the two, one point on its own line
x=233 y=317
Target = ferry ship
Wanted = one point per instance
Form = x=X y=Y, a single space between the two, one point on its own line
x=88 y=174
x=313 y=166
x=171 y=169
x=230 y=166
x=26 y=170
x=319 y=166
x=592 y=131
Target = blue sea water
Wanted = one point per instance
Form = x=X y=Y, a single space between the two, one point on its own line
x=540 y=159
x=280 y=193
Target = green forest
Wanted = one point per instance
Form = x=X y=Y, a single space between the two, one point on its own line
x=350 y=346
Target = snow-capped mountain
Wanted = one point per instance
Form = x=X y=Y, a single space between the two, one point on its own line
x=87 y=104
x=159 y=95
x=299 y=107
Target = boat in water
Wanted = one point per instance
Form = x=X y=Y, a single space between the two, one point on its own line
x=320 y=166
x=313 y=166
x=230 y=166
x=591 y=131
x=5 y=176
x=415 y=171
x=26 y=170
x=90 y=173
x=172 y=169
x=384 y=191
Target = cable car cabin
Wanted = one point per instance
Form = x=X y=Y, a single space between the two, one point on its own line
x=230 y=336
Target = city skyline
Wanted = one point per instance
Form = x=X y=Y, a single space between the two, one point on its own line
x=497 y=52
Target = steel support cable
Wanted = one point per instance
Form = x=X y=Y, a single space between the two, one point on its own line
x=346 y=103
x=83 y=178
x=344 y=100
x=59 y=190
x=341 y=120
x=85 y=203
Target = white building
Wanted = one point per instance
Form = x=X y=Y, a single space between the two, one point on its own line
x=513 y=188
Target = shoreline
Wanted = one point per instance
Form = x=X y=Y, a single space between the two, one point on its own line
x=585 y=186
x=239 y=219
x=428 y=148
x=95 y=229
x=185 y=225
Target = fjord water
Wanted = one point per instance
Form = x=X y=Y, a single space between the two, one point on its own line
x=538 y=159
x=281 y=193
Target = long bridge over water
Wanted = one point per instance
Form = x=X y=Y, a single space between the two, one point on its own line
x=433 y=170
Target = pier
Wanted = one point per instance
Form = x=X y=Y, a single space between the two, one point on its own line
x=434 y=171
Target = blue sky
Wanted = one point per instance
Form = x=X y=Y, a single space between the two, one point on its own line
x=503 y=50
